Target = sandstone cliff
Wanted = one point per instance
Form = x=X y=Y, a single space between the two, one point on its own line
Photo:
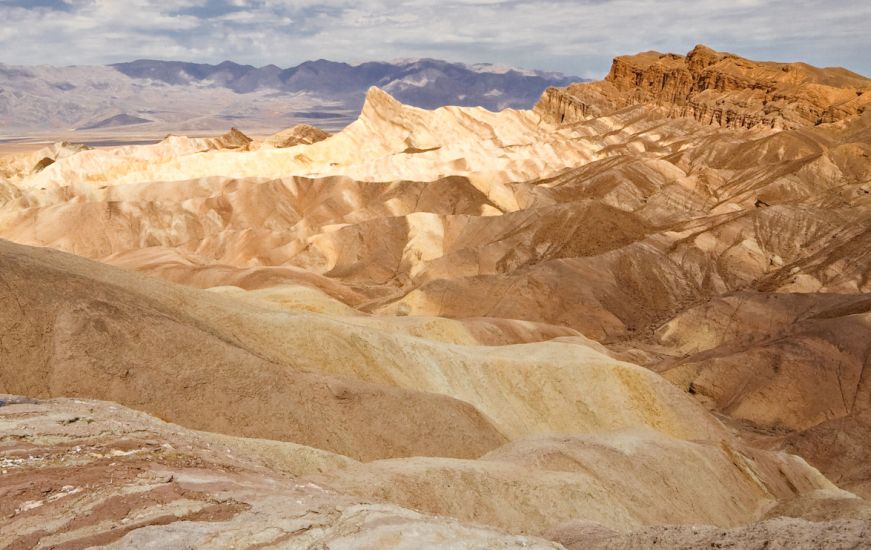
x=715 y=88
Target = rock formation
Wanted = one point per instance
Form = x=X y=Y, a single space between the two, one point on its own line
x=636 y=315
x=716 y=88
x=82 y=473
x=301 y=134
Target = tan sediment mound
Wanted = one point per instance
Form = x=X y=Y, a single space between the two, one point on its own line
x=98 y=167
x=234 y=139
x=112 y=321
x=88 y=473
x=75 y=328
x=839 y=447
x=301 y=134
x=473 y=331
x=716 y=88
x=792 y=331
x=534 y=484
x=25 y=164
x=744 y=353
x=823 y=505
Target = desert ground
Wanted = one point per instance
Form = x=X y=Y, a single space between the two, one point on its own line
x=634 y=316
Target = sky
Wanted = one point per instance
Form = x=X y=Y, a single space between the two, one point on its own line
x=577 y=37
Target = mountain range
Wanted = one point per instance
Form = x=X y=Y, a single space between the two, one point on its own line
x=148 y=95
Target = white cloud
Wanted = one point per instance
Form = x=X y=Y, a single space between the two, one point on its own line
x=578 y=37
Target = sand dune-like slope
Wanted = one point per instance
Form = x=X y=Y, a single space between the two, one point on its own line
x=742 y=353
x=74 y=328
x=215 y=362
x=534 y=484
x=640 y=306
x=114 y=334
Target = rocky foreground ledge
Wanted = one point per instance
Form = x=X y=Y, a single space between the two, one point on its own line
x=79 y=473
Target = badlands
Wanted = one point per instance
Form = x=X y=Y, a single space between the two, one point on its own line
x=635 y=316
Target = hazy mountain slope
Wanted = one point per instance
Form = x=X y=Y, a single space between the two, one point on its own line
x=427 y=83
x=148 y=96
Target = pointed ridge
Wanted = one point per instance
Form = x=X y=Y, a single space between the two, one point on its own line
x=378 y=96
x=301 y=134
x=701 y=49
x=702 y=56
x=380 y=105
x=234 y=139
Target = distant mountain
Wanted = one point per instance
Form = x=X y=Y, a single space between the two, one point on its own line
x=179 y=96
x=117 y=120
x=426 y=83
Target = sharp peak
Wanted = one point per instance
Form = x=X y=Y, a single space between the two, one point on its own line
x=380 y=105
x=235 y=135
x=228 y=62
x=376 y=95
x=701 y=48
x=322 y=61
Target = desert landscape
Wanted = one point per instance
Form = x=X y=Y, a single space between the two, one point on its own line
x=635 y=315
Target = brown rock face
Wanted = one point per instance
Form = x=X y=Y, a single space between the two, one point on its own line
x=716 y=88
x=234 y=139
